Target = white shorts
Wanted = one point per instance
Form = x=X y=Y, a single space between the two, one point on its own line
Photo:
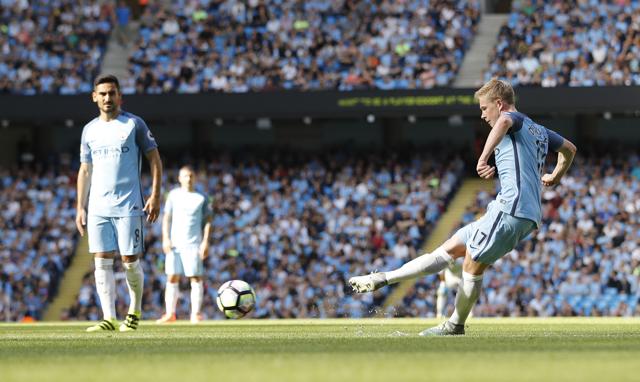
x=184 y=261
x=121 y=234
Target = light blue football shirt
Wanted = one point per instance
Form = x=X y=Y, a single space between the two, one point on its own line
x=115 y=150
x=189 y=211
x=520 y=158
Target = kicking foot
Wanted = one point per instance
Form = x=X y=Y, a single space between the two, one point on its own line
x=368 y=283
x=103 y=326
x=444 y=329
x=166 y=318
x=130 y=323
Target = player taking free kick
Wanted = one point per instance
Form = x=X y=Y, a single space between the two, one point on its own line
x=520 y=147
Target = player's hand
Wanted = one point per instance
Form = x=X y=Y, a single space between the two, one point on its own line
x=549 y=180
x=167 y=248
x=81 y=220
x=204 y=250
x=484 y=170
x=152 y=208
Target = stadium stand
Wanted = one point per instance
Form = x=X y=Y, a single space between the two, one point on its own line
x=584 y=260
x=37 y=239
x=556 y=43
x=295 y=226
x=52 y=47
x=238 y=46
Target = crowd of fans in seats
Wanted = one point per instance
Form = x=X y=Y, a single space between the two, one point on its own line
x=37 y=239
x=583 y=261
x=560 y=43
x=193 y=46
x=239 y=46
x=52 y=47
x=297 y=226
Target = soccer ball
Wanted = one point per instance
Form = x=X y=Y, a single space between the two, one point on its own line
x=236 y=298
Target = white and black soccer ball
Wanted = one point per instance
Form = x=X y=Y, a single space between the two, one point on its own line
x=236 y=298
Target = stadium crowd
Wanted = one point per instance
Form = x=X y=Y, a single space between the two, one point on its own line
x=52 y=47
x=37 y=239
x=559 y=43
x=239 y=46
x=296 y=226
x=584 y=260
x=187 y=46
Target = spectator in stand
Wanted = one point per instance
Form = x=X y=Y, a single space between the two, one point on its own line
x=122 y=16
x=234 y=46
x=52 y=47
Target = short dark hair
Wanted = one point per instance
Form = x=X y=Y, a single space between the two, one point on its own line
x=106 y=79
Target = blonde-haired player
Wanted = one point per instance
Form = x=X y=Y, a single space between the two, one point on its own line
x=185 y=242
x=520 y=147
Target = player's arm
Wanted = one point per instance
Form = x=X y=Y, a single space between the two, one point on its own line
x=83 y=185
x=499 y=130
x=166 y=229
x=204 y=246
x=566 y=152
x=152 y=206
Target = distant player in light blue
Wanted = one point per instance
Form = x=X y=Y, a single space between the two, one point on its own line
x=520 y=148
x=110 y=202
x=185 y=241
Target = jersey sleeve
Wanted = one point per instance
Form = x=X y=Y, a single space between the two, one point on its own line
x=144 y=138
x=517 y=120
x=85 y=150
x=555 y=140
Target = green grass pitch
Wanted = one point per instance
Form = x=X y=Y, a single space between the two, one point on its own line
x=577 y=349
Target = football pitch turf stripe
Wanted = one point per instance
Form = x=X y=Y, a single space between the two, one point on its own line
x=584 y=349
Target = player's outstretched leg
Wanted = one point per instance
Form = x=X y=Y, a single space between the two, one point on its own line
x=426 y=264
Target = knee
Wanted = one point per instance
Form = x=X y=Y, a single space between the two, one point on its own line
x=455 y=247
x=473 y=267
